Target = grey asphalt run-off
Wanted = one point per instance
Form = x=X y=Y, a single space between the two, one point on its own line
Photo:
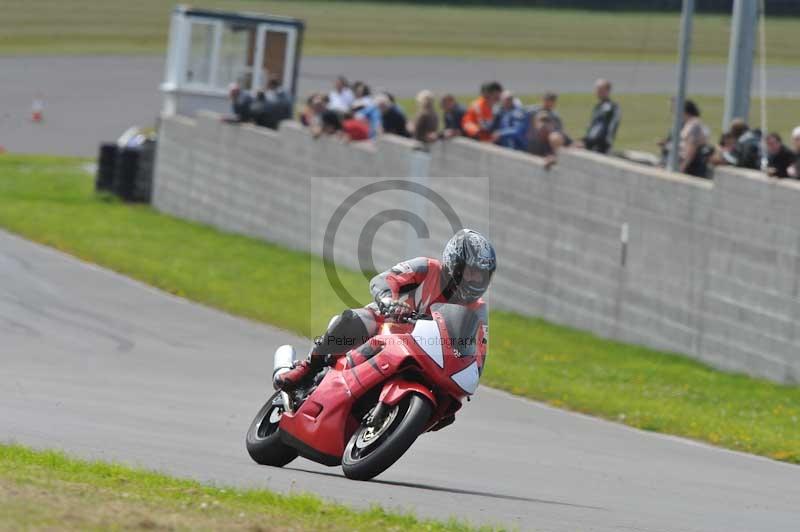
x=104 y=367
x=90 y=99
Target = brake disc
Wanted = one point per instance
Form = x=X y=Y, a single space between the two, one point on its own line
x=369 y=435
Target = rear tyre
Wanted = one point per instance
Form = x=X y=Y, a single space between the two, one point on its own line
x=264 y=439
x=372 y=450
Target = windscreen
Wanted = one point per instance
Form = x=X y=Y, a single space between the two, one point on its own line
x=462 y=327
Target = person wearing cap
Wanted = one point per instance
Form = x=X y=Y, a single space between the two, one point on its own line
x=794 y=170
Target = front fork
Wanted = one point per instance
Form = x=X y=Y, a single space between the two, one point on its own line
x=288 y=402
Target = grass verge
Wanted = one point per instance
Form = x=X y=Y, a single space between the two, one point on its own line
x=50 y=491
x=49 y=199
x=359 y=28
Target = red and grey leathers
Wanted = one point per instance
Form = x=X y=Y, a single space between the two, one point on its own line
x=418 y=283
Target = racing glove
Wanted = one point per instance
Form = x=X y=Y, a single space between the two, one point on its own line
x=393 y=308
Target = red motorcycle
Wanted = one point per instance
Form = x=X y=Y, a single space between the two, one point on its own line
x=366 y=410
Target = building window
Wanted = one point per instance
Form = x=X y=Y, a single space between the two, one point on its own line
x=237 y=49
x=201 y=49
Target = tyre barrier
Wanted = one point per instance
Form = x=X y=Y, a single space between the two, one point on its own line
x=106 y=160
x=126 y=172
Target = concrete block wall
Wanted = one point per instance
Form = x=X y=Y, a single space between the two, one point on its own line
x=710 y=270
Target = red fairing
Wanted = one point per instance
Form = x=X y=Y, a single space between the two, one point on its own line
x=396 y=389
x=323 y=424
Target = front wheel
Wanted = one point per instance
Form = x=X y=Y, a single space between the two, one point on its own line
x=372 y=449
x=264 y=439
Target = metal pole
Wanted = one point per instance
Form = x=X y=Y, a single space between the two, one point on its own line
x=740 y=61
x=762 y=51
x=685 y=42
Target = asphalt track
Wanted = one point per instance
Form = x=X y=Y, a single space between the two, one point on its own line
x=105 y=367
x=89 y=99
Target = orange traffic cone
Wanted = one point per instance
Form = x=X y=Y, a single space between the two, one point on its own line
x=37 y=110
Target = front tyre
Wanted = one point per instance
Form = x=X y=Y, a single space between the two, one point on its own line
x=264 y=439
x=372 y=449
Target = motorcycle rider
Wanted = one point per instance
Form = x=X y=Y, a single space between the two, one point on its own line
x=461 y=277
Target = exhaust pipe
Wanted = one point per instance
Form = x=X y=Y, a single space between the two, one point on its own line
x=283 y=362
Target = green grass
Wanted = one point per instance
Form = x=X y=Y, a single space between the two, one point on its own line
x=50 y=491
x=351 y=28
x=646 y=118
x=49 y=199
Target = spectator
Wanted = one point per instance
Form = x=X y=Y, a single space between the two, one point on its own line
x=510 y=125
x=392 y=118
x=272 y=106
x=779 y=157
x=543 y=139
x=549 y=102
x=426 y=123
x=477 y=121
x=373 y=115
x=277 y=94
x=311 y=115
x=724 y=153
x=747 y=153
x=694 y=151
x=350 y=129
x=258 y=111
x=341 y=97
x=363 y=96
x=240 y=103
x=383 y=116
x=794 y=170
x=453 y=114
x=604 y=121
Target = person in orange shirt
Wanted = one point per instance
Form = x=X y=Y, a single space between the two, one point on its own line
x=477 y=121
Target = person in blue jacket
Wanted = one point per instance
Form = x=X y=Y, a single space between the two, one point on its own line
x=510 y=126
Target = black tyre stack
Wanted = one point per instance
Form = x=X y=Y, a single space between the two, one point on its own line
x=106 y=161
x=126 y=172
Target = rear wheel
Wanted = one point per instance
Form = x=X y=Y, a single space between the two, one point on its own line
x=375 y=447
x=264 y=439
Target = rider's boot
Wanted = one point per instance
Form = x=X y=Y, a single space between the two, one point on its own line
x=348 y=326
x=302 y=372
